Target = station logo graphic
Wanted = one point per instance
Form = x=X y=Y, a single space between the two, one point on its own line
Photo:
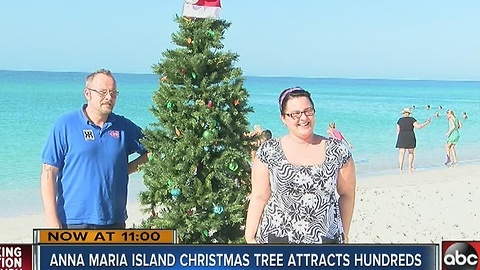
x=460 y=255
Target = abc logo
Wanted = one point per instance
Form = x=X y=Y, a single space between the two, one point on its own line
x=460 y=256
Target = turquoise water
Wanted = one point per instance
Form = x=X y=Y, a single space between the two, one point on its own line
x=366 y=112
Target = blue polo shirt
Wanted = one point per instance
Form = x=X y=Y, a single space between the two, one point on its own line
x=93 y=167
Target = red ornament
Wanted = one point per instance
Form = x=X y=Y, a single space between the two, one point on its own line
x=235 y=102
x=183 y=71
x=210 y=104
x=189 y=212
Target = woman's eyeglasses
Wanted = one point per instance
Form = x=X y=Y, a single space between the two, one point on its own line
x=103 y=93
x=297 y=114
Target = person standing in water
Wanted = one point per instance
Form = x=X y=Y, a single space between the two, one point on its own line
x=406 y=137
x=453 y=135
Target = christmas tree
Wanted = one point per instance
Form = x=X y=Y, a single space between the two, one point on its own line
x=198 y=174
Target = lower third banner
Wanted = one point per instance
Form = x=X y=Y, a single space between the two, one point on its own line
x=237 y=256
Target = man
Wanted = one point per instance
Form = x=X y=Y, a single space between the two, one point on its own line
x=85 y=161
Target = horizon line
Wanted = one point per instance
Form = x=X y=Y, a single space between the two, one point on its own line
x=264 y=76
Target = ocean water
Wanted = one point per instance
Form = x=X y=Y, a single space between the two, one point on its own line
x=365 y=111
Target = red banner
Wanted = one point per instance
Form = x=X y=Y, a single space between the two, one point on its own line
x=16 y=256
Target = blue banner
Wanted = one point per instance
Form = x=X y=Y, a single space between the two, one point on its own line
x=238 y=256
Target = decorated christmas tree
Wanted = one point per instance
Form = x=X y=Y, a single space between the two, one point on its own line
x=197 y=177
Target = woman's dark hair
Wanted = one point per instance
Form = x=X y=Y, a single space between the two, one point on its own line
x=289 y=93
x=267 y=134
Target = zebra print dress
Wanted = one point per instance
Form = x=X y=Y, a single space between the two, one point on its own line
x=303 y=206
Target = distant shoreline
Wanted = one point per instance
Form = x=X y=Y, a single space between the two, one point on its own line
x=426 y=80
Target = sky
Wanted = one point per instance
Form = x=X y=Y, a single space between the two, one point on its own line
x=402 y=39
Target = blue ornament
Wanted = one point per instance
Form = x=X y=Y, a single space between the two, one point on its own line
x=218 y=209
x=175 y=192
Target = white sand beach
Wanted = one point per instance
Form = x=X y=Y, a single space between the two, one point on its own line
x=418 y=207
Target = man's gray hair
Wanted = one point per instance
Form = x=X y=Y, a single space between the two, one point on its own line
x=95 y=73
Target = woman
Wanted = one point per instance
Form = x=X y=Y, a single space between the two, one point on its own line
x=406 y=137
x=335 y=133
x=453 y=135
x=295 y=179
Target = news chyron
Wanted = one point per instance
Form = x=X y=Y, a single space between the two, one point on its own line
x=460 y=255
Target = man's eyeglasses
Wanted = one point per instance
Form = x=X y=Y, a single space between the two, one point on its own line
x=297 y=114
x=103 y=93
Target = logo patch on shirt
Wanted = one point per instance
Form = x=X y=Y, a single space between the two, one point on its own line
x=115 y=134
x=88 y=135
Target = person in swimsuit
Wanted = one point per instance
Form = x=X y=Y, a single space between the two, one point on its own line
x=453 y=135
x=295 y=180
x=335 y=133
